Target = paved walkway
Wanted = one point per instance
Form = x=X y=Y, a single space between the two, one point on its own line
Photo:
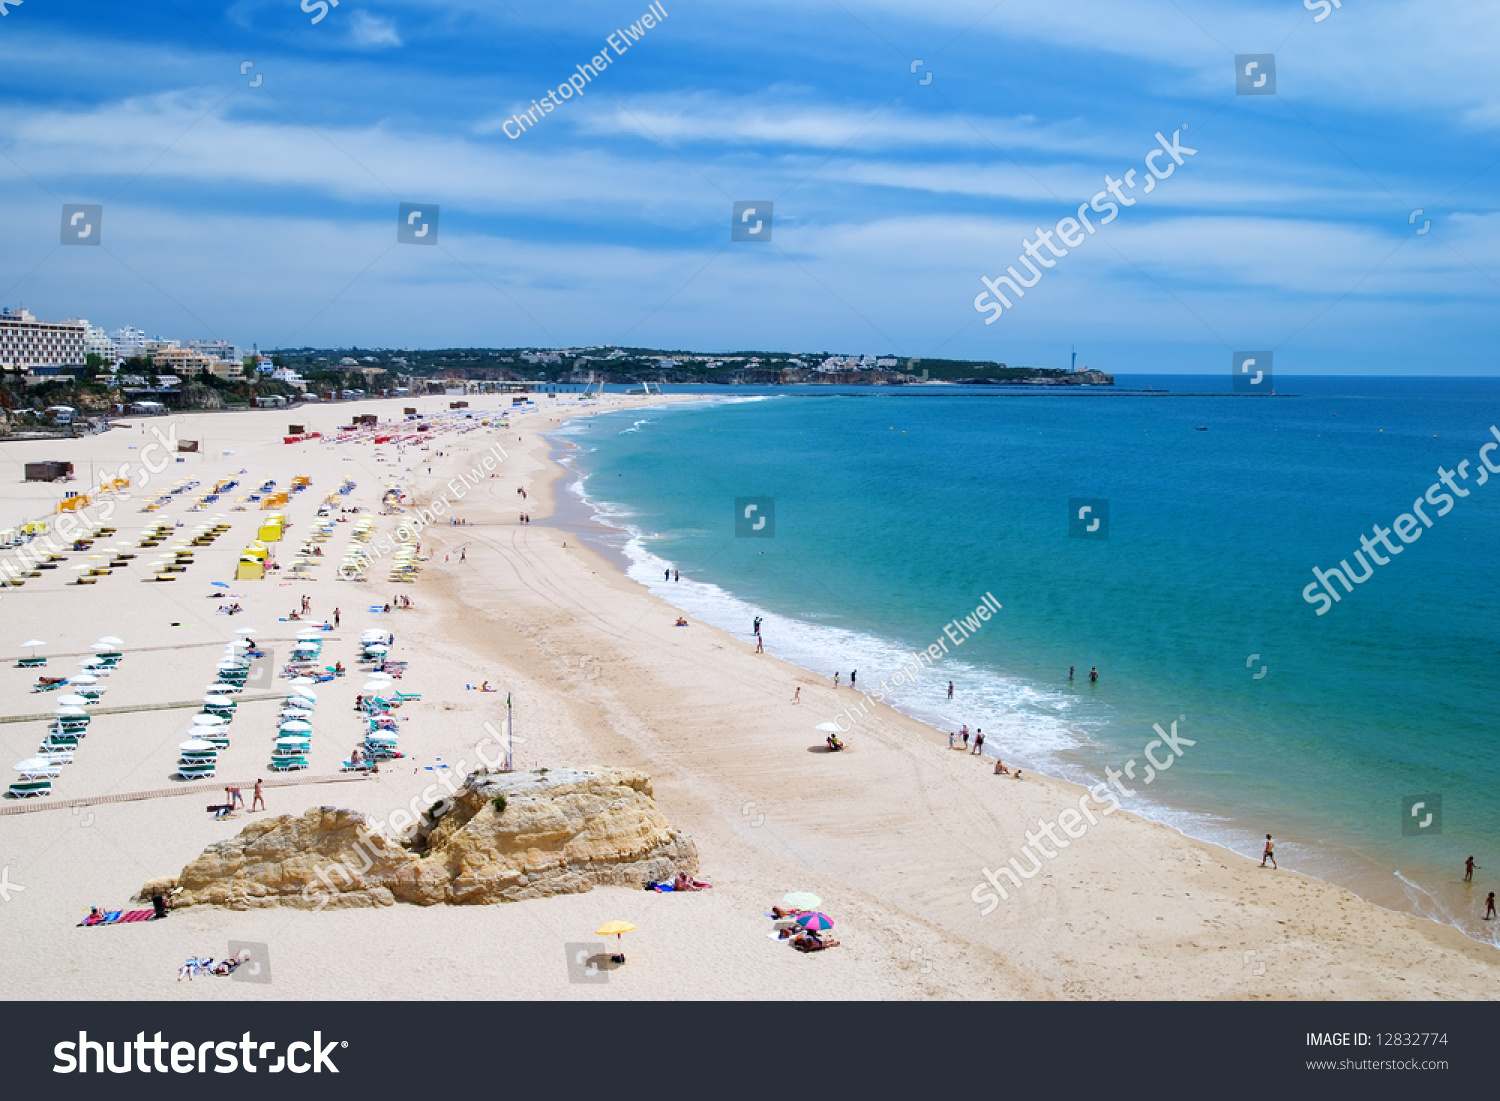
x=214 y=789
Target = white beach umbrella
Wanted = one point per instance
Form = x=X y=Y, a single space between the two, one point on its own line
x=300 y=691
x=32 y=645
x=198 y=745
x=828 y=728
x=36 y=764
x=217 y=701
x=71 y=701
x=296 y=728
x=247 y=631
x=375 y=688
x=84 y=678
x=301 y=681
x=110 y=640
x=208 y=720
x=70 y=712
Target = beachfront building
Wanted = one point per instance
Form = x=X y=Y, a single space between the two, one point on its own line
x=26 y=343
x=97 y=342
x=221 y=350
x=129 y=342
x=165 y=355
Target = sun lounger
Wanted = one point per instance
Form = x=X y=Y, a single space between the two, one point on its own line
x=31 y=663
x=288 y=764
x=26 y=789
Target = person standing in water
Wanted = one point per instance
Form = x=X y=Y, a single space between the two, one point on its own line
x=964 y=734
x=1469 y=867
x=853 y=676
x=1094 y=675
x=1489 y=906
x=836 y=679
x=1071 y=670
x=979 y=741
x=950 y=689
x=1269 y=854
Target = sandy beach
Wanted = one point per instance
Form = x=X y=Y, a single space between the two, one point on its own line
x=894 y=834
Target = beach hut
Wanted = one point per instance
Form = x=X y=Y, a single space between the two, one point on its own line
x=249 y=569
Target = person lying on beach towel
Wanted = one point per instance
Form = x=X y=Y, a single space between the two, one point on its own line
x=779 y=913
x=811 y=942
x=685 y=882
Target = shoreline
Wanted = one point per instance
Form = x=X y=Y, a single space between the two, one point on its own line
x=894 y=834
x=590 y=519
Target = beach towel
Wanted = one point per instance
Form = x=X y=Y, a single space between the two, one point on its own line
x=120 y=917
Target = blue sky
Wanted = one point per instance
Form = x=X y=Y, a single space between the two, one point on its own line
x=267 y=214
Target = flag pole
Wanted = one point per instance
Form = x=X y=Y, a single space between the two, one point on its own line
x=510 y=732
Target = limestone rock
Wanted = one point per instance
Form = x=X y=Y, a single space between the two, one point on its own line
x=562 y=832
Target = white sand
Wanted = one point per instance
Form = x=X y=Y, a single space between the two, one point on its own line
x=892 y=834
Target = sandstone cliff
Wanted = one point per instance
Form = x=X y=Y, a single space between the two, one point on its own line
x=561 y=832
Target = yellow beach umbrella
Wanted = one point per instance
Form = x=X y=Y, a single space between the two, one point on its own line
x=614 y=928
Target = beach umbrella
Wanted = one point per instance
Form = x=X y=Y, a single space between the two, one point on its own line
x=293 y=742
x=828 y=728
x=614 y=928
x=815 y=922
x=238 y=644
x=305 y=692
x=297 y=726
x=101 y=646
x=71 y=701
x=380 y=678
x=89 y=663
x=301 y=681
x=70 y=712
x=217 y=701
x=84 y=678
x=32 y=644
x=198 y=745
x=310 y=636
x=801 y=900
x=247 y=631
x=208 y=720
x=110 y=640
x=36 y=764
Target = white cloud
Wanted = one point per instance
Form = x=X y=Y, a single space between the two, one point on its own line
x=372 y=31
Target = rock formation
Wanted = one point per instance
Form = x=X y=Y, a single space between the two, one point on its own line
x=561 y=832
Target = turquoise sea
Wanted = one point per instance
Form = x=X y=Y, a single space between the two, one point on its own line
x=896 y=510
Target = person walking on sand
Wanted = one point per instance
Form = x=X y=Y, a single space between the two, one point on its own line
x=258 y=801
x=238 y=799
x=978 y=742
x=836 y=679
x=964 y=734
x=1270 y=853
x=335 y=617
x=1469 y=867
x=951 y=735
x=950 y=689
x=797 y=694
x=760 y=646
x=1489 y=906
x=463 y=554
x=853 y=677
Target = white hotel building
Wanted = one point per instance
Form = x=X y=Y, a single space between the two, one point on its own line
x=26 y=342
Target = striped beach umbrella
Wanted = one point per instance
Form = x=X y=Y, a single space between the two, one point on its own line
x=815 y=922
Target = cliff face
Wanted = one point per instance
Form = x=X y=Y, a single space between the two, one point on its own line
x=561 y=832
